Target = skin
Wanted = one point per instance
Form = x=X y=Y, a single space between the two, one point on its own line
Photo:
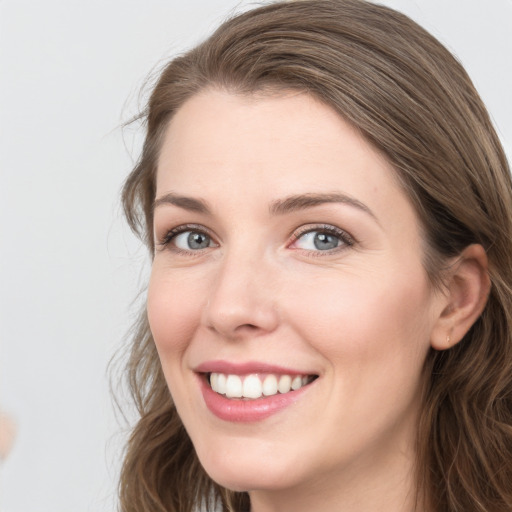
x=361 y=316
x=7 y=435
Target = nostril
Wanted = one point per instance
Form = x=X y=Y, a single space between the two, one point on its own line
x=246 y=329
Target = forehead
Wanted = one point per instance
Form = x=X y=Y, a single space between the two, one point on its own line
x=261 y=131
x=287 y=138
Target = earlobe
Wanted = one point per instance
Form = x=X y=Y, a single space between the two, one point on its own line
x=466 y=293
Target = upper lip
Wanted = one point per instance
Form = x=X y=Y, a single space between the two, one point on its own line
x=245 y=368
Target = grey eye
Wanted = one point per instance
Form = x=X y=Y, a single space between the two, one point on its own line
x=318 y=240
x=325 y=241
x=192 y=241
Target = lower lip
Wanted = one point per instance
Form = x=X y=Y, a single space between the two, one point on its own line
x=240 y=411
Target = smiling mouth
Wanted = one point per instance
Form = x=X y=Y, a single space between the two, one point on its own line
x=255 y=386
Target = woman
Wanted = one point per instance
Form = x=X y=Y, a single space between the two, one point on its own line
x=328 y=209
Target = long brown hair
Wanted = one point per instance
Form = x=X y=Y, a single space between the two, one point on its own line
x=413 y=101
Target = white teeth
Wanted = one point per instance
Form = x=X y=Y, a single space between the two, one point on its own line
x=285 y=384
x=214 y=381
x=297 y=382
x=254 y=386
x=233 y=386
x=270 y=385
x=221 y=384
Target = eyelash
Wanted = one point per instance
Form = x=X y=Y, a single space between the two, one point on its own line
x=346 y=239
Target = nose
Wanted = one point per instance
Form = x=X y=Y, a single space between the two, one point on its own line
x=241 y=301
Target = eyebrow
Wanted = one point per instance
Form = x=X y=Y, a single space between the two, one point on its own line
x=187 y=203
x=279 y=207
x=304 y=201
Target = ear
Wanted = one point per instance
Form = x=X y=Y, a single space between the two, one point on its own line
x=466 y=293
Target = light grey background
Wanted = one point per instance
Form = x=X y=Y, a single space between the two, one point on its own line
x=70 y=72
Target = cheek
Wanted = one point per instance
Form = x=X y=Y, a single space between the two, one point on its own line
x=373 y=318
x=374 y=336
x=174 y=310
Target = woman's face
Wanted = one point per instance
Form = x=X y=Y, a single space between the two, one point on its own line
x=287 y=255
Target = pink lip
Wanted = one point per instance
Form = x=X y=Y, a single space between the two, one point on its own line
x=244 y=368
x=239 y=410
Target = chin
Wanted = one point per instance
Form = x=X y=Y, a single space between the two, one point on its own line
x=239 y=471
x=245 y=481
